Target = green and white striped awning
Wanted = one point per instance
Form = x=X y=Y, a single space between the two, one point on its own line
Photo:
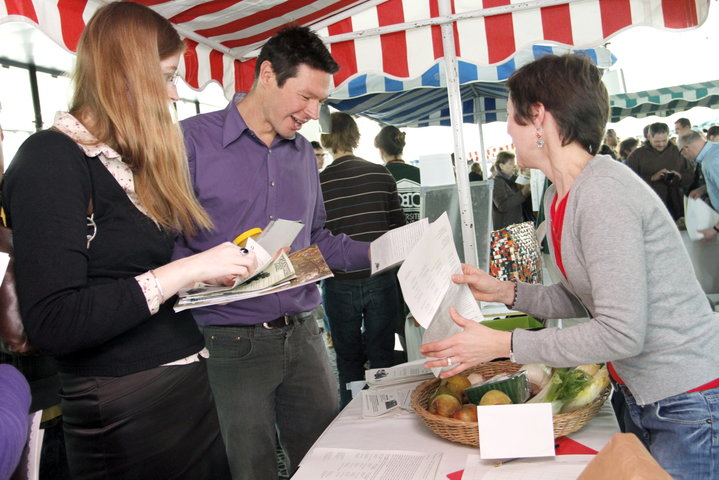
x=664 y=101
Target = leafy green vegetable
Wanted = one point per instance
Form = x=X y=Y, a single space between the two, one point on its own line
x=566 y=383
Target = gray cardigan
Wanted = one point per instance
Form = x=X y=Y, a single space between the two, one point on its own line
x=627 y=269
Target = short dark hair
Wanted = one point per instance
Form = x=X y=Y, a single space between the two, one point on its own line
x=292 y=46
x=627 y=145
x=344 y=134
x=391 y=140
x=684 y=122
x=713 y=130
x=571 y=88
x=607 y=150
x=658 y=127
x=502 y=158
x=315 y=144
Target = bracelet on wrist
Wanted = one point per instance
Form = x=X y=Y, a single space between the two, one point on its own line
x=514 y=296
x=159 y=287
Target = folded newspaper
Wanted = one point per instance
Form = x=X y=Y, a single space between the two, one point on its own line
x=390 y=389
x=276 y=235
x=283 y=273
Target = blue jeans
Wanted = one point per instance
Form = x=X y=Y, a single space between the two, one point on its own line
x=270 y=383
x=680 y=432
x=351 y=304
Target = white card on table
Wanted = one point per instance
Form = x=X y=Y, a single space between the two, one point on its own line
x=516 y=431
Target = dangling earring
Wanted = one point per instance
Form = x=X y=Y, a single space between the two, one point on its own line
x=540 y=139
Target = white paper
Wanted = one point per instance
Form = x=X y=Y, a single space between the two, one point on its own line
x=425 y=276
x=427 y=286
x=522 y=179
x=436 y=170
x=4 y=261
x=698 y=216
x=402 y=373
x=516 y=431
x=380 y=401
x=346 y=464
x=392 y=248
x=278 y=234
x=201 y=289
x=562 y=467
x=536 y=181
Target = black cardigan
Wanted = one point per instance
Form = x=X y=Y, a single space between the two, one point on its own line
x=85 y=306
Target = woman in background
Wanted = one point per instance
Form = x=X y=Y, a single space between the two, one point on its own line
x=390 y=142
x=626 y=148
x=623 y=265
x=475 y=173
x=95 y=204
x=507 y=197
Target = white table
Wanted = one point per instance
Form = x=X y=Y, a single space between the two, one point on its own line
x=408 y=432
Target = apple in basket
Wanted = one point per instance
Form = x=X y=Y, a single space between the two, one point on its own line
x=444 y=402
x=466 y=413
x=457 y=384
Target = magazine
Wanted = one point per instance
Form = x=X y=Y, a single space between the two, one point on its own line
x=284 y=273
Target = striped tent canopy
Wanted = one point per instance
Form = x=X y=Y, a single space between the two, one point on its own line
x=664 y=101
x=400 y=38
x=423 y=101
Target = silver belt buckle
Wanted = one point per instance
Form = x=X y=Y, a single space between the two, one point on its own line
x=268 y=327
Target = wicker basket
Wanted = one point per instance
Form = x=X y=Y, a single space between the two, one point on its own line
x=466 y=432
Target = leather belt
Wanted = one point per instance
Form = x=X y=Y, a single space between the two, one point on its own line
x=283 y=321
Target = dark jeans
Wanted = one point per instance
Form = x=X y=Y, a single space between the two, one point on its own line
x=351 y=304
x=269 y=384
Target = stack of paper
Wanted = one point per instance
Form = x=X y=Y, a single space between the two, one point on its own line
x=425 y=276
x=299 y=268
x=346 y=463
x=390 y=389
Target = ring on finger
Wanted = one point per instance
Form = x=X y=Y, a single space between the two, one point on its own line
x=449 y=361
x=244 y=251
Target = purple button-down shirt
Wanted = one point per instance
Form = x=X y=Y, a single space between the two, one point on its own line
x=243 y=184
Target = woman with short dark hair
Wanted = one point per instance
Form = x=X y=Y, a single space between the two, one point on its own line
x=623 y=265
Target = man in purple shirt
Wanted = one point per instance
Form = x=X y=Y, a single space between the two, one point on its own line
x=268 y=365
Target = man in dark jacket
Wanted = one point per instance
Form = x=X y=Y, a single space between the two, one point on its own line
x=661 y=165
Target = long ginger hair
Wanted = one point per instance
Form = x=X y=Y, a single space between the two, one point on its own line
x=121 y=97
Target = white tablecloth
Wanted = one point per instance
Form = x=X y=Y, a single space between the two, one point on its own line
x=408 y=432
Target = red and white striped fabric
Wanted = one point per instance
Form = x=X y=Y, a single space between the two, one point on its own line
x=224 y=35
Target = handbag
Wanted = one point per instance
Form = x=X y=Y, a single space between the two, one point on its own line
x=515 y=254
x=13 y=339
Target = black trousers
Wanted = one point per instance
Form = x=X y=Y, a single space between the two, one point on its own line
x=156 y=424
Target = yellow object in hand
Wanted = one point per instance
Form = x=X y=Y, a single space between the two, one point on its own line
x=241 y=239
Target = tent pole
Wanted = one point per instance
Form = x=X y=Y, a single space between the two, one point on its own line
x=455 y=112
x=482 y=149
